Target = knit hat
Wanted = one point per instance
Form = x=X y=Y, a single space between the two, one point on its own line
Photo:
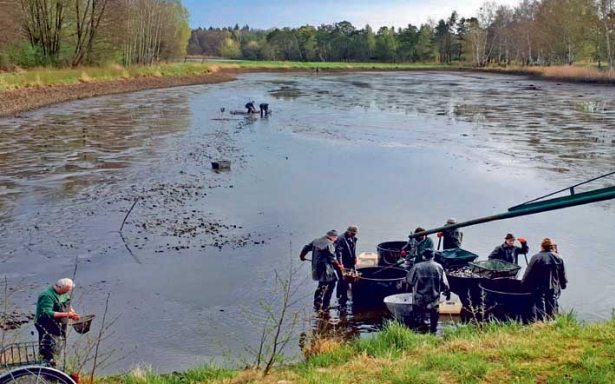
x=451 y=221
x=509 y=236
x=353 y=229
x=332 y=232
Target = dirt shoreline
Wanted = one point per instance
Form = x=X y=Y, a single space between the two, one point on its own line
x=14 y=102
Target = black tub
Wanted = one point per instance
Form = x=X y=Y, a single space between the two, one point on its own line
x=507 y=299
x=372 y=287
x=470 y=294
x=390 y=251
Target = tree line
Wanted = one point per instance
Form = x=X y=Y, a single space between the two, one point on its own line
x=90 y=32
x=541 y=32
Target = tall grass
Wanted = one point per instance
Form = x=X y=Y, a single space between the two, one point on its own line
x=204 y=374
x=43 y=77
x=573 y=73
x=563 y=351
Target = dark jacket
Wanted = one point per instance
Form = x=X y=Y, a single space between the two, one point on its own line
x=428 y=281
x=323 y=257
x=545 y=271
x=451 y=239
x=509 y=253
x=346 y=250
x=415 y=249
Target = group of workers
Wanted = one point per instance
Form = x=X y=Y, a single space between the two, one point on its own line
x=332 y=255
x=264 y=108
x=544 y=276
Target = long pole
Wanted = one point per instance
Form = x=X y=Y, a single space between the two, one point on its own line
x=533 y=208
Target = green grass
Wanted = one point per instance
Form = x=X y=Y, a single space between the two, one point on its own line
x=563 y=351
x=44 y=77
x=204 y=374
x=327 y=65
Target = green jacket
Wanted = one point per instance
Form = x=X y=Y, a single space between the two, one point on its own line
x=49 y=301
x=415 y=249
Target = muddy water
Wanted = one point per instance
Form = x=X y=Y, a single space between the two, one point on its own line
x=384 y=151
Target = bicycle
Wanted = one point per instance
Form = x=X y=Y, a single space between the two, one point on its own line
x=20 y=364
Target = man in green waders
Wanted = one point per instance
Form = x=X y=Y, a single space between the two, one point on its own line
x=53 y=311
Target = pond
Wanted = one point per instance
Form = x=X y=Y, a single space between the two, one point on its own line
x=385 y=151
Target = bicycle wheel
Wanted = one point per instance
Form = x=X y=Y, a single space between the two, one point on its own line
x=35 y=374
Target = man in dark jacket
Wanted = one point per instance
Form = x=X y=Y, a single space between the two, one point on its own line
x=508 y=251
x=264 y=107
x=545 y=276
x=452 y=237
x=324 y=268
x=53 y=311
x=346 y=254
x=250 y=107
x=428 y=281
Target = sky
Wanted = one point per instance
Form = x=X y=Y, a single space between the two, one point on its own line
x=265 y=14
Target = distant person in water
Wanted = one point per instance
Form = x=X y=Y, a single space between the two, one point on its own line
x=264 y=107
x=250 y=107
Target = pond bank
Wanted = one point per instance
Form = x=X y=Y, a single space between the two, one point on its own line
x=561 y=351
x=13 y=102
x=26 y=91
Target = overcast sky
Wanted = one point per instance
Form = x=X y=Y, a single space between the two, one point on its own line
x=263 y=14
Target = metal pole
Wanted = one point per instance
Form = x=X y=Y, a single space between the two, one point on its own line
x=533 y=208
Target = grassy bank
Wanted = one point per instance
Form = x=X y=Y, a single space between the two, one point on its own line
x=44 y=77
x=566 y=73
x=564 y=351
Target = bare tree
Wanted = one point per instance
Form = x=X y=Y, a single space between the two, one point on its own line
x=43 y=20
x=606 y=15
x=88 y=14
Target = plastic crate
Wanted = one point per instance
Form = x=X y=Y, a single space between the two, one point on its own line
x=367 y=259
x=493 y=269
x=456 y=257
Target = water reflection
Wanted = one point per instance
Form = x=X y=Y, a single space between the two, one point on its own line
x=62 y=153
x=340 y=325
x=286 y=93
x=555 y=124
